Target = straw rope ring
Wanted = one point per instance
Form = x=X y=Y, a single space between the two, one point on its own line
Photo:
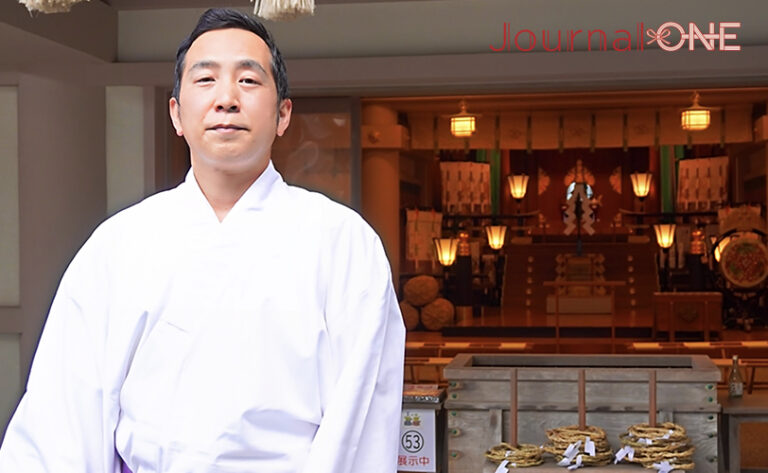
x=572 y=433
x=561 y=438
x=666 y=442
x=521 y=456
x=667 y=430
x=599 y=459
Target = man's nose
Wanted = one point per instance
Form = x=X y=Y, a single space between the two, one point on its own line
x=227 y=99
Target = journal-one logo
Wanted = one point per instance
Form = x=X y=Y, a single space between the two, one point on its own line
x=693 y=35
x=669 y=36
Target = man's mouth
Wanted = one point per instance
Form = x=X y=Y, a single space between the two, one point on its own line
x=227 y=127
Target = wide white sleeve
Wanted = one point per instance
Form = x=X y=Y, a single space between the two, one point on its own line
x=359 y=430
x=63 y=423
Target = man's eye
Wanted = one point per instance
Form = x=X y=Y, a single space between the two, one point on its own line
x=204 y=79
x=249 y=80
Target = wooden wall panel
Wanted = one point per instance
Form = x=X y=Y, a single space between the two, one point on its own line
x=513 y=130
x=609 y=129
x=545 y=130
x=738 y=124
x=670 y=131
x=577 y=130
x=641 y=127
x=485 y=133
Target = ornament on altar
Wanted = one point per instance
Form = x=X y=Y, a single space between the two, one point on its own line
x=579 y=173
x=579 y=212
x=698 y=247
x=615 y=180
x=580 y=208
x=543 y=181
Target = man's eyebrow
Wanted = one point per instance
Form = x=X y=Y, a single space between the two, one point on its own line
x=244 y=64
x=204 y=65
x=251 y=64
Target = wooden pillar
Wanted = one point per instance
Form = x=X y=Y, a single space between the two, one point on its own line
x=381 y=184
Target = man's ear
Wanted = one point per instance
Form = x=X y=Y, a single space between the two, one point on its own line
x=173 y=111
x=284 y=116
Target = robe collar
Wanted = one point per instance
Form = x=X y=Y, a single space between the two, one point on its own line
x=255 y=197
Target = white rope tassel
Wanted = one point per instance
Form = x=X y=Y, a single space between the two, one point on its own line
x=283 y=9
x=49 y=6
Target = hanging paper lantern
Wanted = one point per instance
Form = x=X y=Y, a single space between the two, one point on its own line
x=695 y=117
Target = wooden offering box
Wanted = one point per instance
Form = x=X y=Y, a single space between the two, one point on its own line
x=617 y=395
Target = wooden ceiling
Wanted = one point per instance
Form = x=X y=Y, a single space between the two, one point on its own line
x=576 y=100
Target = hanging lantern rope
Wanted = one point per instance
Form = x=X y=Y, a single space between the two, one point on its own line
x=283 y=9
x=49 y=6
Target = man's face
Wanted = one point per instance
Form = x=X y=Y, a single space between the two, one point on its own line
x=227 y=108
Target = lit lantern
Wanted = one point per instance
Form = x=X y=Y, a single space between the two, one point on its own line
x=518 y=185
x=641 y=184
x=463 y=123
x=446 y=250
x=496 y=234
x=665 y=234
x=695 y=117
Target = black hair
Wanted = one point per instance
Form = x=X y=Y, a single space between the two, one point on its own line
x=223 y=18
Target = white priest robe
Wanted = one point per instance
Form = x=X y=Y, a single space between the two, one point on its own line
x=269 y=342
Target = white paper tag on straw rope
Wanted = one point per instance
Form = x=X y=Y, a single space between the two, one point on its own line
x=663 y=467
x=502 y=467
x=589 y=446
x=569 y=454
x=572 y=450
x=577 y=464
x=625 y=451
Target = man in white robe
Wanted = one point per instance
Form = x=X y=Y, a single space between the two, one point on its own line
x=234 y=324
